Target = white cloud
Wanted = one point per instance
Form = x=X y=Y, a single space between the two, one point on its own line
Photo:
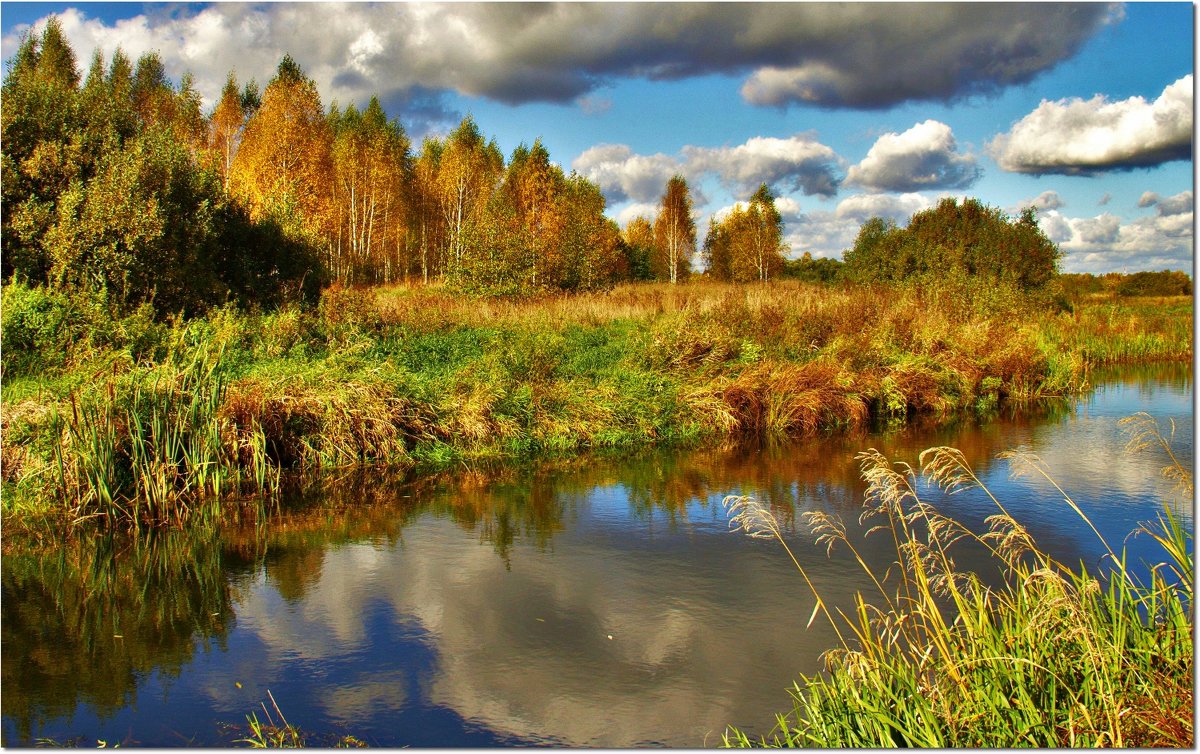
x=898 y=207
x=647 y=210
x=923 y=157
x=788 y=208
x=797 y=163
x=1173 y=205
x=1044 y=201
x=1086 y=137
x=622 y=175
x=1105 y=243
x=821 y=233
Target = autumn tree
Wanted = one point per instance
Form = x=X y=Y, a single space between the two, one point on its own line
x=756 y=239
x=104 y=195
x=225 y=128
x=427 y=218
x=283 y=169
x=42 y=146
x=468 y=171
x=716 y=251
x=371 y=170
x=674 y=233
x=591 y=244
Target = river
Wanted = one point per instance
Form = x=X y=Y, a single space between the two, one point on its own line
x=600 y=602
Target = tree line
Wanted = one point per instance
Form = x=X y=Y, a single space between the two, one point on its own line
x=119 y=184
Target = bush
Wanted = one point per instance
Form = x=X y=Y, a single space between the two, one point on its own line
x=38 y=328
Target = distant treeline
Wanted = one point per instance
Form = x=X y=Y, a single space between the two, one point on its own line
x=1164 y=283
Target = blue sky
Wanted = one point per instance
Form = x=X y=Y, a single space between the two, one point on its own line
x=1085 y=110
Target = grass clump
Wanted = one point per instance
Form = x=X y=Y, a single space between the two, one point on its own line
x=1044 y=655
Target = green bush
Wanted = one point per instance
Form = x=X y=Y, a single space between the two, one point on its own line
x=38 y=328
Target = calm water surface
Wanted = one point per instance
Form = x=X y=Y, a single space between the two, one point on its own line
x=604 y=603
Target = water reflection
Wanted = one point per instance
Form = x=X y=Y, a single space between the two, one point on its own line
x=86 y=621
x=476 y=609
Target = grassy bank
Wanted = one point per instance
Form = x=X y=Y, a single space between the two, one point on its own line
x=1047 y=654
x=135 y=421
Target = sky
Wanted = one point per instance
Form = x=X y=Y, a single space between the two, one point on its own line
x=1082 y=110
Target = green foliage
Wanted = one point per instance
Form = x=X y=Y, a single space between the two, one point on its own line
x=813 y=270
x=38 y=328
x=968 y=238
x=105 y=195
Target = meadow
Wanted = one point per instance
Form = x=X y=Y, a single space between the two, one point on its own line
x=138 y=422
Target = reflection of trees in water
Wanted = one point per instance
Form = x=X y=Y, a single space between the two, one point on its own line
x=64 y=607
x=507 y=504
x=83 y=620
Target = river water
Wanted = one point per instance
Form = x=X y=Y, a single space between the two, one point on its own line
x=602 y=602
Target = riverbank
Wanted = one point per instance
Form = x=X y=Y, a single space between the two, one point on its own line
x=138 y=422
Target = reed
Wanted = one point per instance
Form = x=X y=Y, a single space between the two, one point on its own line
x=1051 y=656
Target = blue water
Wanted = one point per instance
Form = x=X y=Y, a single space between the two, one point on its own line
x=600 y=603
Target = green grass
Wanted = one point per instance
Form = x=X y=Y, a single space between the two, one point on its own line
x=1052 y=656
x=139 y=424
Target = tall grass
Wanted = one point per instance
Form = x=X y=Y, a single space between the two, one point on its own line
x=1052 y=655
x=149 y=447
x=147 y=427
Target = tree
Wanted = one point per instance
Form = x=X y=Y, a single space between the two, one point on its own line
x=372 y=169
x=674 y=233
x=638 y=246
x=951 y=238
x=468 y=171
x=42 y=148
x=225 y=128
x=717 y=252
x=426 y=212
x=283 y=168
x=757 y=239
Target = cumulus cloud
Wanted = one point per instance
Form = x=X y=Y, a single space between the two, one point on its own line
x=1172 y=205
x=1044 y=201
x=788 y=208
x=923 y=157
x=647 y=210
x=827 y=54
x=621 y=174
x=898 y=207
x=798 y=163
x=1106 y=243
x=1088 y=137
